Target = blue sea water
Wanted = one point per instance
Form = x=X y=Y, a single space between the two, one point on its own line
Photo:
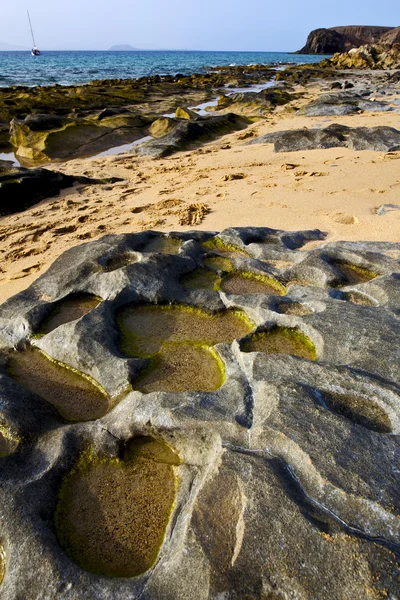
x=73 y=67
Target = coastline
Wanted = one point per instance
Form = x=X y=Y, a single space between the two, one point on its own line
x=336 y=190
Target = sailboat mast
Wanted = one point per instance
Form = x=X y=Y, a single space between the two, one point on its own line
x=30 y=24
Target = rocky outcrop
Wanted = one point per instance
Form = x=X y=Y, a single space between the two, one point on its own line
x=342 y=39
x=254 y=104
x=22 y=188
x=342 y=103
x=184 y=134
x=146 y=96
x=366 y=57
x=380 y=139
x=254 y=456
x=40 y=138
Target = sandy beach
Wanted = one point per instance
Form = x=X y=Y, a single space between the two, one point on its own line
x=224 y=183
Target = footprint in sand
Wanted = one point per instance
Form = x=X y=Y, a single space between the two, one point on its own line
x=344 y=218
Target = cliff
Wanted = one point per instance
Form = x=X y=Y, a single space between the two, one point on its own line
x=343 y=38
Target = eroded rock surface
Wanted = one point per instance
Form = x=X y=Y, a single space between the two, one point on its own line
x=278 y=479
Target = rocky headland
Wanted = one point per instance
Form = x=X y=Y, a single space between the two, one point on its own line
x=344 y=38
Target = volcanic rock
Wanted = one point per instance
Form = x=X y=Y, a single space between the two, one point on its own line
x=378 y=56
x=253 y=104
x=21 y=188
x=342 y=39
x=48 y=137
x=381 y=139
x=273 y=480
x=187 y=134
x=341 y=103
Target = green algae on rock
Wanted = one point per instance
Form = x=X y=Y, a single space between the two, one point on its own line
x=354 y=274
x=230 y=250
x=282 y=340
x=242 y=282
x=68 y=309
x=177 y=339
x=76 y=396
x=218 y=263
x=162 y=245
x=200 y=279
x=8 y=442
x=112 y=515
x=181 y=367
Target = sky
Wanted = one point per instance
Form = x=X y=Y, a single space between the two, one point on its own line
x=254 y=25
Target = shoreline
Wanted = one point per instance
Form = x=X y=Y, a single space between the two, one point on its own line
x=229 y=183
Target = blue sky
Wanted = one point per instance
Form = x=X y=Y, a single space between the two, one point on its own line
x=201 y=25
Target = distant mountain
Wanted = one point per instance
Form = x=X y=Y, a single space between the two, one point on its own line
x=123 y=48
x=4 y=46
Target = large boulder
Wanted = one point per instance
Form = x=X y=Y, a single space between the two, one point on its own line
x=342 y=39
x=21 y=188
x=48 y=137
x=172 y=440
x=186 y=134
x=381 y=139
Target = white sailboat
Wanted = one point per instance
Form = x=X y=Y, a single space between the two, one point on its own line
x=35 y=50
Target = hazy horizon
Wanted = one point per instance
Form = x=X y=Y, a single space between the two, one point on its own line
x=158 y=26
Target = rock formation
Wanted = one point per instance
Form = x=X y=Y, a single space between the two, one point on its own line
x=254 y=104
x=144 y=98
x=343 y=103
x=49 y=137
x=196 y=416
x=173 y=135
x=366 y=57
x=380 y=139
x=342 y=39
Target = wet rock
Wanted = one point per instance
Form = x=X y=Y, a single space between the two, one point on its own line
x=186 y=113
x=161 y=127
x=382 y=139
x=256 y=456
x=49 y=137
x=186 y=134
x=21 y=188
x=253 y=104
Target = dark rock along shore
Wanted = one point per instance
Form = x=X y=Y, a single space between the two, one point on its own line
x=342 y=39
x=283 y=476
x=52 y=122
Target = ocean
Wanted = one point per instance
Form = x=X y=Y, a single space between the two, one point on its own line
x=75 y=67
